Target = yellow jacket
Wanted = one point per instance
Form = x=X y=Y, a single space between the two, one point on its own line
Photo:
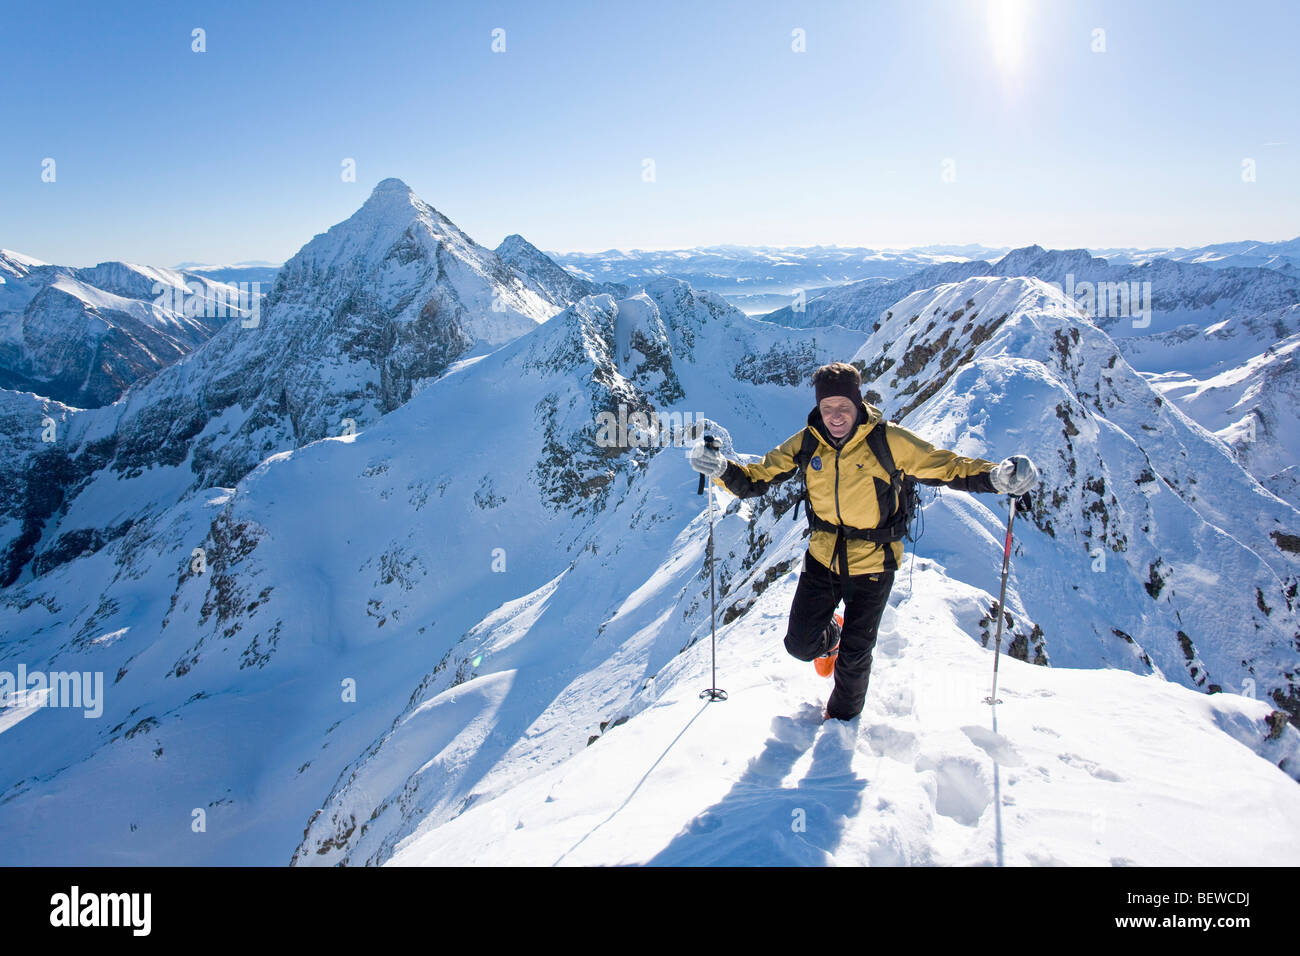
x=849 y=486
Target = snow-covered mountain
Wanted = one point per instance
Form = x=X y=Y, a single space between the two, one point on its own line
x=918 y=778
x=467 y=627
x=761 y=279
x=81 y=336
x=1238 y=378
x=1157 y=296
x=362 y=315
x=535 y=268
x=1078 y=767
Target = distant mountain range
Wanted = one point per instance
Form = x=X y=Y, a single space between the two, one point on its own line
x=760 y=279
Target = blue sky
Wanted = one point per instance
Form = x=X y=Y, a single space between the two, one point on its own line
x=165 y=155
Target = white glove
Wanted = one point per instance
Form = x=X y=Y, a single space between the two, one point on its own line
x=1014 y=476
x=706 y=460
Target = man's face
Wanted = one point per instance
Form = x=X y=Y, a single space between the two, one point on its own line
x=839 y=414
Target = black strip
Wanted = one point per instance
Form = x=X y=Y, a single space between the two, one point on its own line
x=885 y=503
x=978 y=483
x=742 y=486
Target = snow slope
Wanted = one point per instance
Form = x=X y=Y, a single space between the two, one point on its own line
x=1238 y=379
x=1075 y=767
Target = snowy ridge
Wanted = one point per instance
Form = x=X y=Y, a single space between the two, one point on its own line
x=535 y=268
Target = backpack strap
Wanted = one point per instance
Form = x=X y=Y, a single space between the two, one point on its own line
x=879 y=445
x=878 y=442
x=807 y=448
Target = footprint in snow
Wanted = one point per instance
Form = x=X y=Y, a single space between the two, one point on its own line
x=995 y=745
x=892 y=742
x=706 y=822
x=800 y=728
x=891 y=643
x=1094 y=768
x=959 y=788
x=791 y=738
x=898 y=703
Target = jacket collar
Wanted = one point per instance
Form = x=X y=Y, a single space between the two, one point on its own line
x=868 y=417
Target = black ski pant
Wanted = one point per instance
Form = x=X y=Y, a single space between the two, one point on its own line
x=815 y=600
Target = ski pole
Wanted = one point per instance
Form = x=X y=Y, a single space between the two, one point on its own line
x=1002 y=601
x=713 y=692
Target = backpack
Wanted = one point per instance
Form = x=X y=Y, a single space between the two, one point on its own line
x=907 y=500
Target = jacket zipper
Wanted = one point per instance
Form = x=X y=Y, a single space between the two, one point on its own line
x=838 y=517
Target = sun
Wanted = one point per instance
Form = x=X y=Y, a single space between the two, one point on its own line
x=1007 y=33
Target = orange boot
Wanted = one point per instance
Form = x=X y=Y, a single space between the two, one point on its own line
x=826 y=665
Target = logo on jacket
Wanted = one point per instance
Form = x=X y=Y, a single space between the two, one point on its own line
x=816 y=463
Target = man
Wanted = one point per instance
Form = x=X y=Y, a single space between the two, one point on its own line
x=856 y=510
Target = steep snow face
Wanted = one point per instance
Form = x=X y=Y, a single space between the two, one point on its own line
x=17 y=264
x=1238 y=379
x=536 y=270
x=82 y=336
x=363 y=313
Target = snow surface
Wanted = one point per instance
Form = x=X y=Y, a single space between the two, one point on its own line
x=1075 y=767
